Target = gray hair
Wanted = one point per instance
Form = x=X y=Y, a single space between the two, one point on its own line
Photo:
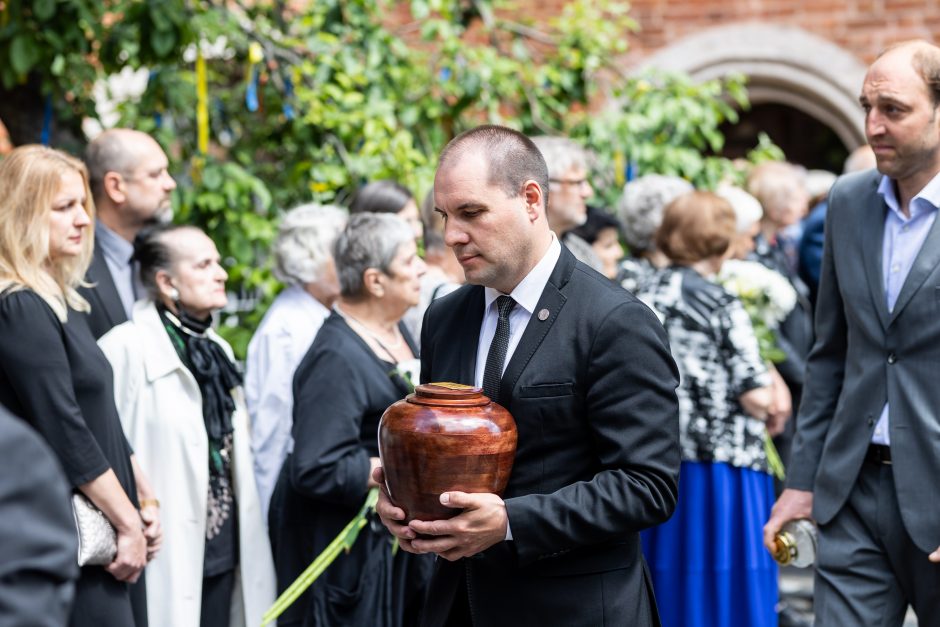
x=641 y=207
x=370 y=240
x=304 y=242
x=561 y=155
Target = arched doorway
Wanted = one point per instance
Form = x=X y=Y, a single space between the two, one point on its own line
x=803 y=138
x=803 y=89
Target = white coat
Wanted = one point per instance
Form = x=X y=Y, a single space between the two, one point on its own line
x=161 y=410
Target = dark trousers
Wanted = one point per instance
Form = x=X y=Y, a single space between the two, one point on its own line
x=868 y=569
x=217 y=600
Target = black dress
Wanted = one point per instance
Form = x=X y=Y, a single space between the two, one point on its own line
x=58 y=380
x=341 y=390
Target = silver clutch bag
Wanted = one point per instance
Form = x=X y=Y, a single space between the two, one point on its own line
x=97 y=539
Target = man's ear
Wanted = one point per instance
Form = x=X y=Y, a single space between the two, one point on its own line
x=114 y=188
x=534 y=199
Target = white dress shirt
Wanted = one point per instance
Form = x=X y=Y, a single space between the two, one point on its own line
x=276 y=349
x=526 y=295
x=902 y=242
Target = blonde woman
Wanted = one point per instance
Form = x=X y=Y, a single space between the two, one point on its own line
x=52 y=372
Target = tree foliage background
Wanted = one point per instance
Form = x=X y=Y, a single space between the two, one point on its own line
x=308 y=101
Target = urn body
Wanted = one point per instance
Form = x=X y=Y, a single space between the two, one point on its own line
x=444 y=437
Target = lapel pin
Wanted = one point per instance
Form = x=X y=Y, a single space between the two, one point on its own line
x=543 y=315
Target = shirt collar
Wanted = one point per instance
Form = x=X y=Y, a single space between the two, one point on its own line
x=927 y=199
x=115 y=247
x=529 y=290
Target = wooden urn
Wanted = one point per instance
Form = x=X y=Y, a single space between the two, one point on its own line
x=445 y=436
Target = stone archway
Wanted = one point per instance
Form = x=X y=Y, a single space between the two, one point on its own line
x=784 y=65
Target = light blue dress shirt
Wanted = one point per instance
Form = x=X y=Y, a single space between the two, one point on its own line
x=902 y=241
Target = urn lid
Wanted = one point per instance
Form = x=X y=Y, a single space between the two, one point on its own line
x=448 y=394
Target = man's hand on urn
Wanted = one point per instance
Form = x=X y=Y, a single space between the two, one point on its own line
x=482 y=524
x=792 y=505
x=392 y=517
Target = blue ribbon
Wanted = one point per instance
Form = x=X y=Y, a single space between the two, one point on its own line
x=251 y=93
x=46 y=122
x=288 y=106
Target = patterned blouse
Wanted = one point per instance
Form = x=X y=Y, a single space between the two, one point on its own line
x=716 y=351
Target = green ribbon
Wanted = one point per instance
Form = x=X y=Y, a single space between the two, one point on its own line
x=343 y=542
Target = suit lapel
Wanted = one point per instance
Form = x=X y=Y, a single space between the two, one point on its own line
x=100 y=276
x=469 y=334
x=924 y=264
x=872 y=234
x=552 y=300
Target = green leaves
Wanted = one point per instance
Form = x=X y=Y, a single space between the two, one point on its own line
x=24 y=54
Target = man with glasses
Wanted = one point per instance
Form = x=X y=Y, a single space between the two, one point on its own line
x=569 y=190
x=131 y=187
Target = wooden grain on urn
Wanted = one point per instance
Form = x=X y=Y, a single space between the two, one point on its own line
x=444 y=437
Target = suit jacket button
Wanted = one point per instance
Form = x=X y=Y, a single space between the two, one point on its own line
x=892 y=358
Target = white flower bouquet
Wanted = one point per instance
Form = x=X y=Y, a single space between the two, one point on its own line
x=767 y=297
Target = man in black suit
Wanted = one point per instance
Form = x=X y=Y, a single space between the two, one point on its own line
x=131 y=187
x=866 y=456
x=585 y=370
x=38 y=540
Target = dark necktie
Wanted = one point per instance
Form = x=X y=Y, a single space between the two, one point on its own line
x=493 y=371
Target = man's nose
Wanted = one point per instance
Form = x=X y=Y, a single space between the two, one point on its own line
x=874 y=124
x=454 y=235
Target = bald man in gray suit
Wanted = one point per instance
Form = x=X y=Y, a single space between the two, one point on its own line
x=866 y=458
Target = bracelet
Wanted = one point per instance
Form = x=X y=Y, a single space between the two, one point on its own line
x=148 y=502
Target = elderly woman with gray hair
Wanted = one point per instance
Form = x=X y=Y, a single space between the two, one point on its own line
x=303 y=259
x=353 y=371
x=641 y=212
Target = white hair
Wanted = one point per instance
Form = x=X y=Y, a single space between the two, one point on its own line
x=304 y=243
x=747 y=209
x=561 y=155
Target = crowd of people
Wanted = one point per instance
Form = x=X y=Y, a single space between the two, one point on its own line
x=645 y=389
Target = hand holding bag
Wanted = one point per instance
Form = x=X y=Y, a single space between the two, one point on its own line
x=97 y=538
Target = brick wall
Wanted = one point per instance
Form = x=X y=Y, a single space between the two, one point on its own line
x=861 y=27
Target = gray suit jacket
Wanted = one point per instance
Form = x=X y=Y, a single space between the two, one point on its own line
x=865 y=355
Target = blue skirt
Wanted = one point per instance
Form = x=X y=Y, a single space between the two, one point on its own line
x=708 y=562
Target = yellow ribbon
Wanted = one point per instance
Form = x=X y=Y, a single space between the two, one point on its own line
x=202 y=104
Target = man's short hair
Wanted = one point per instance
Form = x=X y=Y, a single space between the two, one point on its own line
x=512 y=157
x=109 y=152
x=696 y=226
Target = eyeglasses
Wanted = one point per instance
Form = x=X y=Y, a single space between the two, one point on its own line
x=574 y=182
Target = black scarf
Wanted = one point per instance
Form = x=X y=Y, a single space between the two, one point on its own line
x=213 y=370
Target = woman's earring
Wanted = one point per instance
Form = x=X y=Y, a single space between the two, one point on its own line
x=174 y=294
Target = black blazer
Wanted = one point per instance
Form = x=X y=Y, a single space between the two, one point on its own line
x=592 y=391
x=107 y=310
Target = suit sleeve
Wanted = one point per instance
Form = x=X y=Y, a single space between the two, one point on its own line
x=36 y=365
x=825 y=368
x=633 y=417
x=38 y=543
x=330 y=399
